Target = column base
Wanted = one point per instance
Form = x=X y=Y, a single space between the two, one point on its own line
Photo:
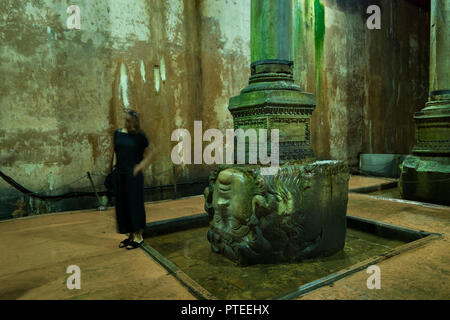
x=297 y=214
x=425 y=179
x=432 y=128
x=289 y=111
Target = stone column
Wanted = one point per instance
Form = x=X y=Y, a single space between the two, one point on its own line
x=271 y=30
x=426 y=174
x=256 y=217
x=439 y=54
x=432 y=122
x=272 y=100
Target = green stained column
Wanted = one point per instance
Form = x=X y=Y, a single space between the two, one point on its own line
x=426 y=173
x=271 y=30
x=440 y=47
x=433 y=122
x=272 y=100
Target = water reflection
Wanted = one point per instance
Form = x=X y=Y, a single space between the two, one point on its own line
x=191 y=252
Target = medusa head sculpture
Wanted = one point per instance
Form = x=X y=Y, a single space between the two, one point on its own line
x=296 y=214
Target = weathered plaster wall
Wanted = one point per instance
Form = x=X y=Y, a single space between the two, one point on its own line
x=225 y=59
x=62 y=91
x=225 y=49
x=368 y=83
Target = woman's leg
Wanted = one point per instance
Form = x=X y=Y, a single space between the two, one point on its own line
x=121 y=205
x=138 y=236
x=137 y=240
x=136 y=205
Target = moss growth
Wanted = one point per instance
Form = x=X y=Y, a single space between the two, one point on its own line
x=298 y=31
x=319 y=36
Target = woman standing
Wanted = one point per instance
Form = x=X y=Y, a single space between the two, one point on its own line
x=131 y=155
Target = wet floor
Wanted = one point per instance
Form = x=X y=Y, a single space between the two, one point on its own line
x=392 y=193
x=191 y=252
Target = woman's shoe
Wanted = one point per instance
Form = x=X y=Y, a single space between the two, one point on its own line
x=124 y=243
x=134 y=245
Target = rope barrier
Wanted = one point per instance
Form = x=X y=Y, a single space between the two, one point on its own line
x=27 y=192
x=40 y=196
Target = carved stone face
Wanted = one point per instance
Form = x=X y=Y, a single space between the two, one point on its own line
x=291 y=216
x=232 y=202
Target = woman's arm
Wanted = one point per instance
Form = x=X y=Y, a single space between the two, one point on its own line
x=143 y=165
x=113 y=158
x=113 y=161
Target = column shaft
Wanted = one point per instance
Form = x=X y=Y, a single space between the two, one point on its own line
x=271 y=30
x=440 y=47
x=272 y=100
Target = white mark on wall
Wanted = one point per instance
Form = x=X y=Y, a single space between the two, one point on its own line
x=74 y=20
x=51 y=181
x=51 y=34
x=143 y=70
x=30 y=168
x=163 y=69
x=123 y=86
x=157 y=79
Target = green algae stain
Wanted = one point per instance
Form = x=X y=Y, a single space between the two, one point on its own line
x=307 y=16
x=303 y=28
x=298 y=37
x=319 y=36
x=298 y=24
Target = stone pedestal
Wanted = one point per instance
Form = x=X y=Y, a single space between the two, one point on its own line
x=272 y=100
x=381 y=164
x=426 y=179
x=426 y=173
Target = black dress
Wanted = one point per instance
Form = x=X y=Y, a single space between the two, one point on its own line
x=129 y=189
